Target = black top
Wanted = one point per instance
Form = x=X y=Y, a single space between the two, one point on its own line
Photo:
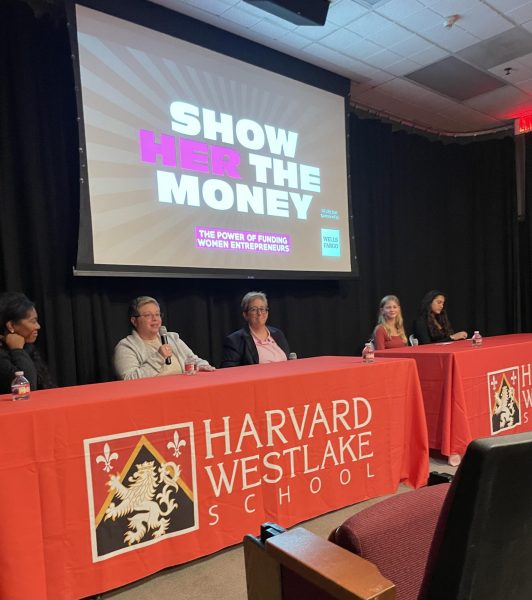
x=26 y=360
x=240 y=349
x=423 y=334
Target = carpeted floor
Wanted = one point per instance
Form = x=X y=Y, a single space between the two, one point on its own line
x=221 y=576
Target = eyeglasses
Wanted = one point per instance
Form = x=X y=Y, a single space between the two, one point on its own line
x=258 y=309
x=150 y=316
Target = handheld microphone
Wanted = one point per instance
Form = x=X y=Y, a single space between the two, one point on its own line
x=164 y=340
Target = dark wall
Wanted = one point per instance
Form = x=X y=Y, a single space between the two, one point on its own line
x=427 y=215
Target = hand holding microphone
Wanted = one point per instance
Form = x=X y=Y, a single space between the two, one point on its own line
x=164 y=340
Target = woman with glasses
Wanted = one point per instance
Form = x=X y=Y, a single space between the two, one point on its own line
x=147 y=352
x=255 y=343
x=19 y=329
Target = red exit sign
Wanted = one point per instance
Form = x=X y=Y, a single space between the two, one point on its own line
x=523 y=125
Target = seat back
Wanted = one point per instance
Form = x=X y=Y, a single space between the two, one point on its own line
x=482 y=546
x=396 y=535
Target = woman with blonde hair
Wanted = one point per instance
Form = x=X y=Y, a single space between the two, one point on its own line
x=389 y=331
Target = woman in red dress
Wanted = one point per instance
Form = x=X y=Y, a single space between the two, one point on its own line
x=389 y=331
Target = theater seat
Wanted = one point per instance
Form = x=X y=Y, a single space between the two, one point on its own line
x=468 y=540
x=396 y=535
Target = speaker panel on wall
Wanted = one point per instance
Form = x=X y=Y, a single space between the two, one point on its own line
x=299 y=12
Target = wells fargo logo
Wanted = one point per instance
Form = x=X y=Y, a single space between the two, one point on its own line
x=504 y=393
x=141 y=488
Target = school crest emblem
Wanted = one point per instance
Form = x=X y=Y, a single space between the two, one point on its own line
x=141 y=488
x=504 y=396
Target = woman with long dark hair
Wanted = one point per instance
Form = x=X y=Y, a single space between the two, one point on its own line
x=19 y=328
x=432 y=324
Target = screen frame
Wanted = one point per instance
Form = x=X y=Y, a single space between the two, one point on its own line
x=180 y=26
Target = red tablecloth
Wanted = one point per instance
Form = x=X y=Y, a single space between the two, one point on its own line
x=471 y=392
x=105 y=484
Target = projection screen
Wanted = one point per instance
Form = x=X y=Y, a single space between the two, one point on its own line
x=196 y=163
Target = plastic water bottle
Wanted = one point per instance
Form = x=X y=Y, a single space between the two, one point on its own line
x=20 y=387
x=190 y=365
x=476 y=339
x=368 y=354
x=292 y=356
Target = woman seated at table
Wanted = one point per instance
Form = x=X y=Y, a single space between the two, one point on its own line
x=19 y=329
x=389 y=331
x=255 y=343
x=432 y=324
x=143 y=353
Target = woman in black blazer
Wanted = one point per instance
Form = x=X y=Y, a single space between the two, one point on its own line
x=254 y=343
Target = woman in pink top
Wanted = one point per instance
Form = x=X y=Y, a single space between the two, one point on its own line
x=389 y=331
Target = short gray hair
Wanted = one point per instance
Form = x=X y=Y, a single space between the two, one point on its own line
x=133 y=310
x=251 y=296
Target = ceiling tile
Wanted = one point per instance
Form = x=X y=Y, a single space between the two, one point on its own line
x=499 y=49
x=316 y=33
x=483 y=22
x=399 y=8
x=527 y=26
x=291 y=39
x=268 y=29
x=453 y=39
x=455 y=78
x=350 y=43
x=389 y=36
x=411 y=45
x=382 y=59
x=526 y=86
x=368 y=24
x=504 y=103
x=519 y=72
x=445 y=8
x=377 y=76
x=507 y=5
x=524 y=60
x=343 y=12
x=402 y=67
x=522 y=14
x=341 y=38
x=401 y=88
x=420 y=21
x=243 y=16
x=427 y=57
x=384 y=47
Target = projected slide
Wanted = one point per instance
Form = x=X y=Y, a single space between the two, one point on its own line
x=196 y=160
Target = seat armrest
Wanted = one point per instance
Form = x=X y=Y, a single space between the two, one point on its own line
x=336 y=571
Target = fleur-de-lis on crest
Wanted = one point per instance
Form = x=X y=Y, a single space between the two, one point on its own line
x=176 y=444
x=106 y=457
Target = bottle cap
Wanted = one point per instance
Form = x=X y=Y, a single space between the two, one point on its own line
x=19 y=373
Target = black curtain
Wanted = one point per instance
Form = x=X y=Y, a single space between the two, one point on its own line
x=427 y=215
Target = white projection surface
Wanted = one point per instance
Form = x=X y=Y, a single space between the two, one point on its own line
x=199 y=161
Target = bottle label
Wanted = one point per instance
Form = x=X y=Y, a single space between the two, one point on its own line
x=368 y=354
x=189 y=368
x=21 y=390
